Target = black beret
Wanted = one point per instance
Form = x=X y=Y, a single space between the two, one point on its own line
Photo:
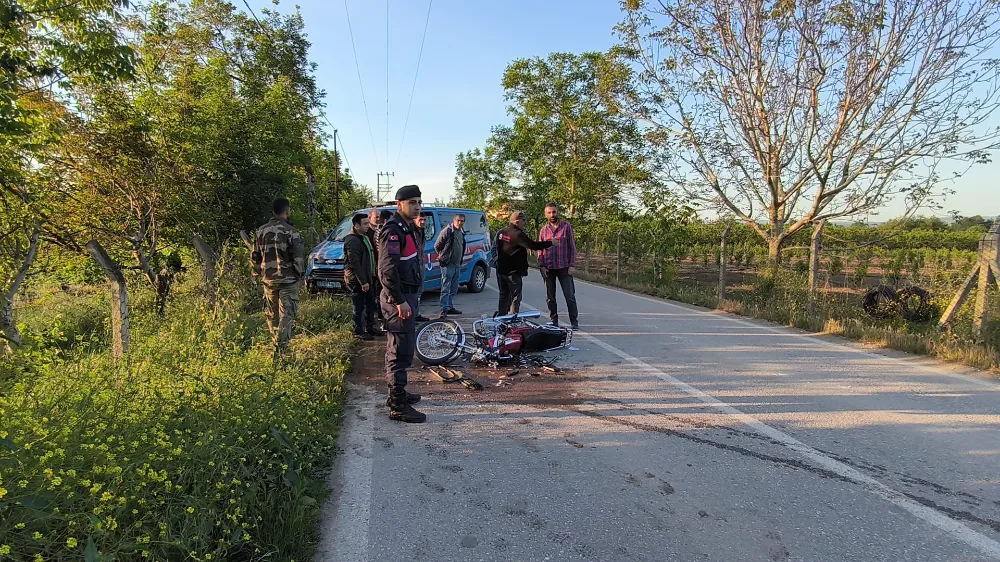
x=407 y=192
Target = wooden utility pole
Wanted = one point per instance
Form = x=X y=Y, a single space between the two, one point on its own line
x=336 y=175
x=722 y=263
x=987 y=271
x=311 y=197
x=814 y=251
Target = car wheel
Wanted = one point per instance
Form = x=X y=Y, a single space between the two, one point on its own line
x=478 y=280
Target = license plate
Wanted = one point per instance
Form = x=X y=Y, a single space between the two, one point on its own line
x=328 y=284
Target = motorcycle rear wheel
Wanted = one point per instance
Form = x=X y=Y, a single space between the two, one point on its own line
x=439 y=342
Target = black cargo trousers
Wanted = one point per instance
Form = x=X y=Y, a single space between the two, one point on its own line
x=401 y=340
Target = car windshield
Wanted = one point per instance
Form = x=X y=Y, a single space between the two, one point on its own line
x=342 y=230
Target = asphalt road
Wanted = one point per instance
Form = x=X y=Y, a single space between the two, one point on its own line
x=691 y=436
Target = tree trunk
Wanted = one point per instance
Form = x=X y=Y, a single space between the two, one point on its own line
x=245 y=238
x=774 y=255
x=572 y=196
x=8 y=329
x=209 y=278
x=119 y=300
x=814 y=252
x=618 y=260
x=160 y=280
x=161 y=283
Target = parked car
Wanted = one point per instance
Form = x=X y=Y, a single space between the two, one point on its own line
x=325 y=267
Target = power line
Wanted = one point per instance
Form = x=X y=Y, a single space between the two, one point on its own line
x=414 y=88
x=245 y=3
x=363 y=99
x=387 y=82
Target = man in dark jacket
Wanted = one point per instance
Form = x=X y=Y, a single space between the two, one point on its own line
x=376 y=220
x=399 y=270
x=512 y=262
x=359 y=270
x=450 y=248
x=419 y=229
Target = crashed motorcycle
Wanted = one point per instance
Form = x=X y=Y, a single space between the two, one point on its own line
x=442 y=341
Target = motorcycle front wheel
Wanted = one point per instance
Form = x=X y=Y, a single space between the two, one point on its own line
x=439 y=342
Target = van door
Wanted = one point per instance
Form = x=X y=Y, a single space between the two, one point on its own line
x=432 y=270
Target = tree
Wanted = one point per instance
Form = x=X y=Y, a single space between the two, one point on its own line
x=236 y=97
x=351 y=195
x=568 y=144
x=483 y=179
x=43 y=44
x=914 y=223
x=790 y=113
x=961 y=223
x=219 y=123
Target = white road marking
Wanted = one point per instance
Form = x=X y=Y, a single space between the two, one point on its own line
x=950 y=526
x=809 y=337
x=347 y=514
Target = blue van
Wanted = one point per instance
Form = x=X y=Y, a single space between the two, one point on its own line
x=325 y=267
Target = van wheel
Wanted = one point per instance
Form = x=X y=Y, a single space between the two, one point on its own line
x=478 y=280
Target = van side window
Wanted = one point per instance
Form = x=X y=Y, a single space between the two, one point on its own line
x=475 y=223
x=445 y=218
x=429 y=227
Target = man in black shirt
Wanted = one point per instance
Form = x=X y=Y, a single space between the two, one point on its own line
x=512 y=262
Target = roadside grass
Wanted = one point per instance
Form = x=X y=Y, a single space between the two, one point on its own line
x=196 y=447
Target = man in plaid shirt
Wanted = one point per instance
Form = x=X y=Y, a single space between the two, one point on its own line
x=558 y=263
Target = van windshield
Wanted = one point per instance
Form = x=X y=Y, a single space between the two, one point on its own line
x=342 y=230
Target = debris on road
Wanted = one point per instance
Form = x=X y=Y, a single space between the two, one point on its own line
x=456 y=376
x=471 y=384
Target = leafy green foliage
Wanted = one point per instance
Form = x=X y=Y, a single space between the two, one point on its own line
x=197 y=448
x=566 y=143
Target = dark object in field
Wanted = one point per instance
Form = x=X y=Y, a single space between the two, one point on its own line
x=912 y=303
x=881 y=302
x=915 y=304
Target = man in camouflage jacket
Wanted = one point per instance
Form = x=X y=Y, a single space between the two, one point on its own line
x=278 y=260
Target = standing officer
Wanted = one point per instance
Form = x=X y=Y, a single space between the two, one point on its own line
x=278 y=259
x=399 y=270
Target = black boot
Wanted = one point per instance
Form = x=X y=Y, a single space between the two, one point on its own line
x=401 y=410
x=411 y=398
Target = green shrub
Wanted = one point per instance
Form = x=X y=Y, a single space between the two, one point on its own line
x=196 y=447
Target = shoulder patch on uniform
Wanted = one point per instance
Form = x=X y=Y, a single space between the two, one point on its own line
x=393 y=237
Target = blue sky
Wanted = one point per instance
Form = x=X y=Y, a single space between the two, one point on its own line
x=458 y=95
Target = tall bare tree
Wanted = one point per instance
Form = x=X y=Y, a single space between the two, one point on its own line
x=787 y=113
